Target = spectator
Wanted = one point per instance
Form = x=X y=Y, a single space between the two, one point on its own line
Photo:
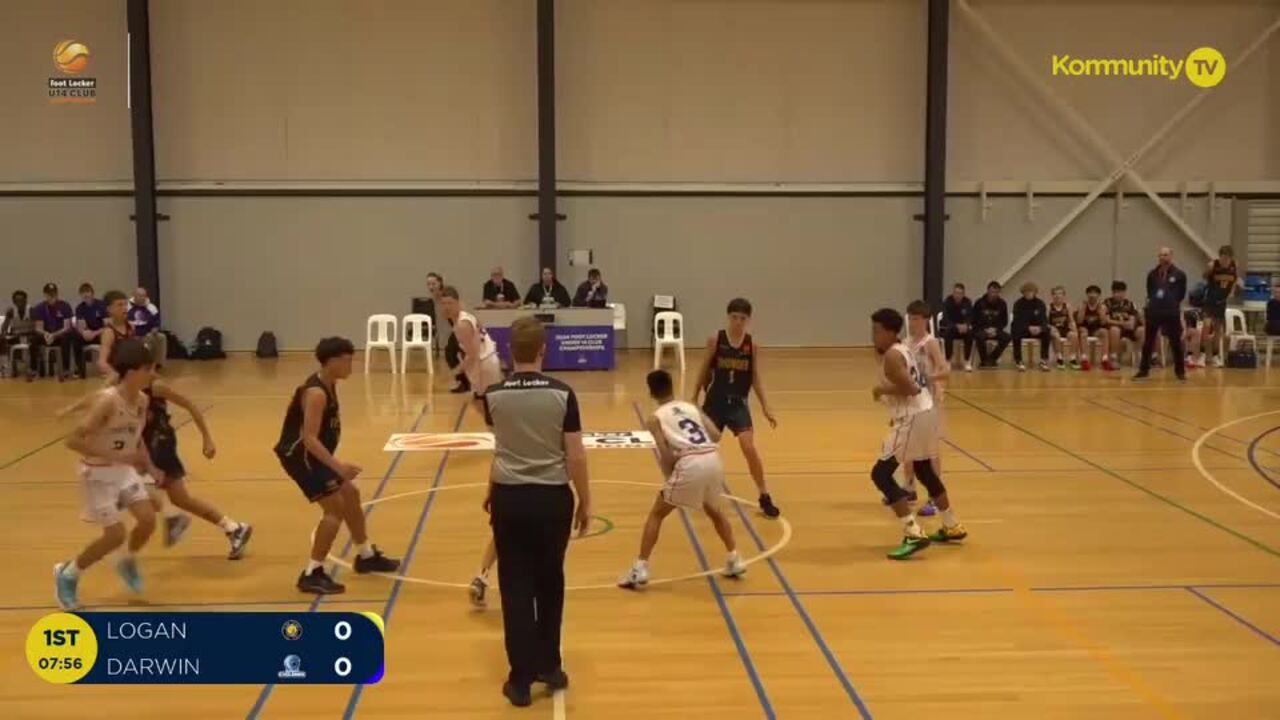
x=1091 y=321
x=957 y=324
x=144 y=316
x=990 y=317
x=1223 y=278
x=1273 y=312
x=1062 y=328
x=1030 y=322
x=19 y=327
x=499 y=292
x=1166 y=289
x=592 y=292
x=548 y=292
x=55 y=324
x=91 y=317
x=1122 y=321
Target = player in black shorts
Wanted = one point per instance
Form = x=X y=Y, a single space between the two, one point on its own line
x=1223 y=278
x=730 y=371
x=308 y=440
x=1090 y=321
x=1123 y=321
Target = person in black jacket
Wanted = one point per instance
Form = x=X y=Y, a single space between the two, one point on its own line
x=547 y=291
x=1030 y=322
x=957 y=323
x=592 y=292
x=1166 y=289
x=990 y=317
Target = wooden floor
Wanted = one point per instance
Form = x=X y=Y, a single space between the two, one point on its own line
x=1105 y=576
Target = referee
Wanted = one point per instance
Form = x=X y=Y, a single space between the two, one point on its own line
x=1166 y=288
x=538 y=435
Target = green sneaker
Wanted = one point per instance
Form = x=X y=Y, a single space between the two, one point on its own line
x=910 y=546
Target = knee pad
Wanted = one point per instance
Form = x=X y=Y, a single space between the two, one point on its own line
x=882 y=476
x=929 y=478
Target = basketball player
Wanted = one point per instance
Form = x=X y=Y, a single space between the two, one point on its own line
x=1062 y=328
x=1123 y=321
x=308 y=438
x=730 y=371
x=161 y=440
x=108 y=439
x=1223 y=277
x=690 y=458
x=934 y=371
x=911 y=437
x=116 y=328
x=1090 y=322
x=1192 y=337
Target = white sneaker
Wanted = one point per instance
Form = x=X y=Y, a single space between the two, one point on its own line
x=477 y=589
x=636 y=578
x=1022 y=367
x=734 y=567
x=1217 y=361
x=968 y=367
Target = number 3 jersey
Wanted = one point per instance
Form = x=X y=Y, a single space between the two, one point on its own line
x=123 y=428
x=681 y=424
x=905 y=406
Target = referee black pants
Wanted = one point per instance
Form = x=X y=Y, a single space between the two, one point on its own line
x=531 y=526
x=1171 y=325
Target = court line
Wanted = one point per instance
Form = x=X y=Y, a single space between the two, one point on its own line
x=1195 y=459
x=265 y=693
x=968 y=454
x=1165 y=430
x=1259 y=631
x=358 y=691
x=1188 y=423
x=743 y=653
x=1252 y=454
x=995 y=590
x=1136 y=485
x=140 y=607
x=60 y=438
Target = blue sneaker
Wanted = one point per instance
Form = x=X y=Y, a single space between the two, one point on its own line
x=65 y=588
x=128 y=569
x=927 y=509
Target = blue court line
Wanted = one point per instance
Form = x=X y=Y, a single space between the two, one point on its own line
x=358 y=690
x=1252 y=453
x=1259 y=631
x=62 y=437
x=1131 y=483
x=265 y=694
x=1201 y=428
x=143 y=607
x=738 y=642
x=1165 y=430
x=994 y=590
x=969 y=455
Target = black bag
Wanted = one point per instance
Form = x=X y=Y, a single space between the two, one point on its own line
x=208 y=345
x=175 y=350
x=267 y=345
x=1242 y=359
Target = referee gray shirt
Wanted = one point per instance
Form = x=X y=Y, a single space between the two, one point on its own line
x=529 y=414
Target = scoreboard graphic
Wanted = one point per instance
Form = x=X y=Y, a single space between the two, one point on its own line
x=210 y=648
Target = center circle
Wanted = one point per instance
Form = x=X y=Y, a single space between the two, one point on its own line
x=764 y=554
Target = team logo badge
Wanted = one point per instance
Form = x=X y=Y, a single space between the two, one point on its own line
x=292 y=668
x=292 y=630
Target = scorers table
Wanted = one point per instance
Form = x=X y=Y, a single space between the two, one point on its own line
x=577 y=338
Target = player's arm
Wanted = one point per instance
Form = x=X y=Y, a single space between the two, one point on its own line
x=703 y=378
x=757 y=384
x=469 y=340
x=898 y=381
x=93 y=420
x=77 y=406
x=938 y=360
x=709 y=427
x=576 y=462
x=108 y=341
x=313 y=403
x=666 y=458
x=165 y=392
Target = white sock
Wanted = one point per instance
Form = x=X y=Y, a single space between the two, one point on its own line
x=949 y=518
x=910 y=527
x=312 y=565
x=228 y=525
x=365 y=550
x=71 y=570
x=642 y=564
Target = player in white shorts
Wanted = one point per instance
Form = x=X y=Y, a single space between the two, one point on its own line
x=934 y=371
x=690 y=458
x=902 y=389
x=109 y=440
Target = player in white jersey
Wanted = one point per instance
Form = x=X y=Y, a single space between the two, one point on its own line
x=901 y=387
x=109 y=440
x=690 y=457
x=934 y=371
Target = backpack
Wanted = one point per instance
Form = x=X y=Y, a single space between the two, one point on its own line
x=175 y=349
x=267 y=345
x=208 y=345
x=1242 y=359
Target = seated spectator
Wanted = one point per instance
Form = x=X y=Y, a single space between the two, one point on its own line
x=1123 y=321
x=1030 y=322
x=116 y=327
x=1090 y=320
x=19 y=327
x=499 y=292
x=548 y=293
x=1192 y=324
x=957 y=324
x=55 y=324
x=1273 y=312
x=1062 y=327
x=144 y=316
x=592 y=292
x=91 y=317
x=990 y=317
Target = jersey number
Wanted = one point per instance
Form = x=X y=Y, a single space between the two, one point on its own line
x=695 y=432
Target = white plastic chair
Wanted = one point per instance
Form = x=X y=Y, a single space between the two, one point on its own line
x=668 y=331
x=935 y=322
x=25 y=349
x=380 y=335
x=416 y=333
x=1270 y=341
x=1237 y=333
x=91 y=354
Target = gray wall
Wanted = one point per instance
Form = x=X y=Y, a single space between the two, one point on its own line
x=66 y=240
